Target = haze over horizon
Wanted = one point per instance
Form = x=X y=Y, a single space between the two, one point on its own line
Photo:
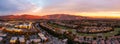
x=109 y=8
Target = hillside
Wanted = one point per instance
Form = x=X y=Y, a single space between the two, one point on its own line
x=63 y=17
x=25 y=16
x=54 y=16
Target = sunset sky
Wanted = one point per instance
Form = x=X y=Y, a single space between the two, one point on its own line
x=74 y=7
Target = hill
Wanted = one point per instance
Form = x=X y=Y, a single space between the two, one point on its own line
x=63 y=17
x=32 y=17
x=15 y=17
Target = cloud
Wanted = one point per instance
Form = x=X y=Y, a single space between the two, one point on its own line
x=57 y=6
x=14 y=6
x=81 y=6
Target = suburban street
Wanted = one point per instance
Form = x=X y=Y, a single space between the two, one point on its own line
x=52 y=39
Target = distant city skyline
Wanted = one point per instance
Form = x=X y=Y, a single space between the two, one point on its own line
x=74 y=7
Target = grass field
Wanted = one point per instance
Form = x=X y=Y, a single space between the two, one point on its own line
x=116 y=31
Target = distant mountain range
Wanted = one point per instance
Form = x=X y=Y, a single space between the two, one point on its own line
x=54 y=16
x=63 y=17
x=25 y=16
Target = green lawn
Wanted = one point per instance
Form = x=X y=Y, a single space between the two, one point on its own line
x=116 y=30
x=62 y=27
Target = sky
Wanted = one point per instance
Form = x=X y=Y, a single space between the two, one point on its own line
x=74 y=7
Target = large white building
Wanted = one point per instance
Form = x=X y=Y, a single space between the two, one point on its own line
x=24 y=26
x=22 y=40
x=43 y=38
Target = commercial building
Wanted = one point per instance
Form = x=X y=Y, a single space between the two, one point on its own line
x=35 y=40
x=24 y=26
x=13 y=40
x=43 y=38
x=22 y=40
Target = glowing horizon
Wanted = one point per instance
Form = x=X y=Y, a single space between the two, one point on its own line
x=111 y=14
x=74 y=7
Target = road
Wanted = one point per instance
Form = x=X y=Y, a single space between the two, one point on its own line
x=52 y=39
